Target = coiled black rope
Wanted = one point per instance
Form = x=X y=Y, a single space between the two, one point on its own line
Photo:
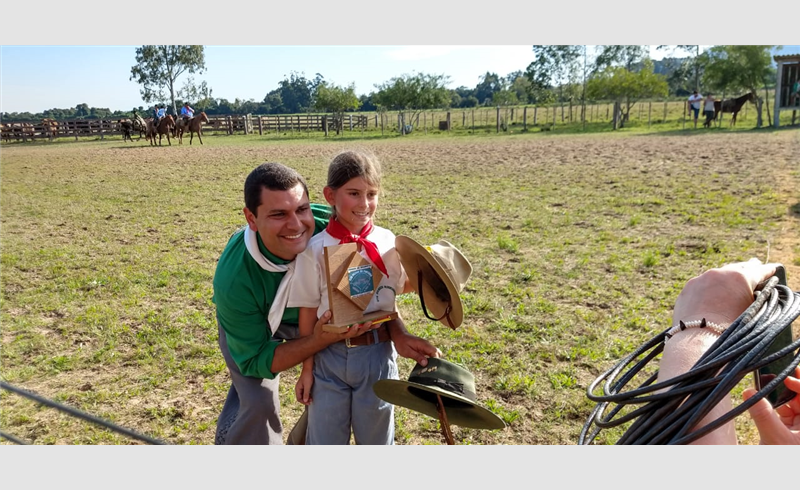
x=669 y=411
x=73 y=412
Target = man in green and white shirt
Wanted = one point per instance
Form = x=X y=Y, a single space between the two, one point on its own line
x=251 y=286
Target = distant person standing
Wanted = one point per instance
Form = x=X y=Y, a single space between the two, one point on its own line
x=709 y=110
x=694 y=105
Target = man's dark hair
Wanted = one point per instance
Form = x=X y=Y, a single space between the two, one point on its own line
x=273 y=176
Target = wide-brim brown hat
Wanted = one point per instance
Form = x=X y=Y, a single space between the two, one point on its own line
x=453 y=383
x=443 y=272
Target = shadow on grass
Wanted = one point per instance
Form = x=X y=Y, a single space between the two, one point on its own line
x=794 y=211
x=723 y=130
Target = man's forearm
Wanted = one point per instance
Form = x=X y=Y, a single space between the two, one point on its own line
x=396 y=327
x=292 y=353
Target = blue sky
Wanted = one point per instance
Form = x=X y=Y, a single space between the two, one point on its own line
x=36 y=78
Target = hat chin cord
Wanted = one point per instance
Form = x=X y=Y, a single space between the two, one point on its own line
x=670 y=416
x=425 y=310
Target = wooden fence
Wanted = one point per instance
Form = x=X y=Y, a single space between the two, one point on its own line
x=479 y=119
x=61 y=129
x=232 y=124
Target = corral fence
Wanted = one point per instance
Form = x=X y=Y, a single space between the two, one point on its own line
x=230 y=124
x=645 y=113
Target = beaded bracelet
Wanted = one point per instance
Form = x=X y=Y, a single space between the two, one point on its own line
x=713 y=327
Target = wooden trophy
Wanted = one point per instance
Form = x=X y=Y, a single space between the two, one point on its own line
x=352 y=281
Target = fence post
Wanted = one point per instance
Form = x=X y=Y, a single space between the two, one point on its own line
x=665 y=112
x=525 y=118
x=683 y=124
x=448 y=120
x=473 y=121
x=260 y=127
x=498 y=119
x=350 y=120
x=535 y=111
x=649 y=111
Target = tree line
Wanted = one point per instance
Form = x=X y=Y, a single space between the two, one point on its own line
x=558 y=74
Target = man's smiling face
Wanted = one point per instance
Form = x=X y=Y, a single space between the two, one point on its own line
x=284 y=220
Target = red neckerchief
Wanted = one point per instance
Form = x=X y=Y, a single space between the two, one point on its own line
x=337 y=230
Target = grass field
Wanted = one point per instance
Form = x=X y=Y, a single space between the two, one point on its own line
x=579 y=244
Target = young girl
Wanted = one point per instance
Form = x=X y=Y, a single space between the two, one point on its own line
x=336 y=384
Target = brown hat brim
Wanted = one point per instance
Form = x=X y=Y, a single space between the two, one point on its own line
x=414 y=256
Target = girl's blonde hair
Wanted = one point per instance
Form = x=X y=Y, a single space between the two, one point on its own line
x=351 y=164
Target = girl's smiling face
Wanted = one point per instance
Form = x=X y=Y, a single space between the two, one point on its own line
x=355 y=203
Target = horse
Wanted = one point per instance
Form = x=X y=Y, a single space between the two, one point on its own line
x=164 y=128
x=139 y=124
x=126 y=126
x=194 y=125
x=50 y=127
x=733 y=106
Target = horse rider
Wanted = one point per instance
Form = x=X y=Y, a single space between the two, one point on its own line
x=159 y=111
x=186 y=112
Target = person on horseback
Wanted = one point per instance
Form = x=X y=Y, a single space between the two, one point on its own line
x=187 y=112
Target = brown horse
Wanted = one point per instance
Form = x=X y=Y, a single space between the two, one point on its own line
x=733 y=106
x=193 y=125
x=50 y=127
x=164 y=128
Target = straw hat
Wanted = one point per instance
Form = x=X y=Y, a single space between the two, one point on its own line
x=452 y=382
x=439 y=273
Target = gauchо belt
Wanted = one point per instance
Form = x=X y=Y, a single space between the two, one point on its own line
x=380 y=334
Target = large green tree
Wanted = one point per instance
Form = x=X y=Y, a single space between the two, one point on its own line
x=740 y=67
x=554 y=66
x=627 y=55
x=196 y=93
x=413 y=93
x=337 y=100
x=295 y=94
x=158 y=68
x=487 y=87
x=625 y=87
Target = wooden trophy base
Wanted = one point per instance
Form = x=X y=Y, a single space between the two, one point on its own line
x=375 y=317
x=352 y=281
